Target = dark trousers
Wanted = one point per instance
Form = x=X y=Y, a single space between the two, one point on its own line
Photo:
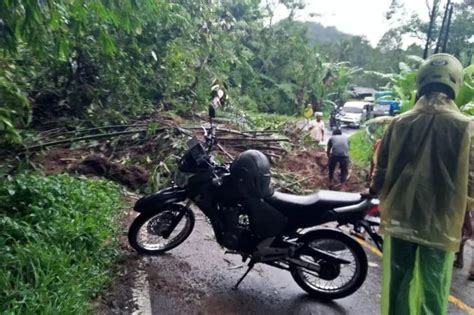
x=343 y=164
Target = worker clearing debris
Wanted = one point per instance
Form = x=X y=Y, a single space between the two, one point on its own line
x=424 y=176
x=338 y=153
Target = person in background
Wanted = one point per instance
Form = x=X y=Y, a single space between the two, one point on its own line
x=308 y=114
x=373 y=162
x=467 y=233
x=338 y=153
x=424 y=178
x=218 y=96
x=317 y=128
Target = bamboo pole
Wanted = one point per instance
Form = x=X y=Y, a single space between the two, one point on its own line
x=225 y=152
x=243 y=146
x=256 y=139
x=90 y=137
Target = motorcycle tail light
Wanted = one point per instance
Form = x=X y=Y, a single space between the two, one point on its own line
x=373 y=211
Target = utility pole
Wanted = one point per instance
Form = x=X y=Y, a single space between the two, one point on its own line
x=445 y=42
x=430 y=28
x=440 y=36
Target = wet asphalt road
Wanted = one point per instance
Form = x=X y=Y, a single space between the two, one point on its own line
x=197 y=277
x=348 y=131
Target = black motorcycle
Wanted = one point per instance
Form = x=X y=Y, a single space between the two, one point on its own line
x=252 y=220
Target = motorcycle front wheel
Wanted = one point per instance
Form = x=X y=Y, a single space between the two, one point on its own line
x=333 y=281
x=153 y=233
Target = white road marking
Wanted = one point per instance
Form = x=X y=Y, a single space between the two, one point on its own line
x=141 y=291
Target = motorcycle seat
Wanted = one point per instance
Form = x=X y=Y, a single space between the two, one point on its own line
x=323 y=199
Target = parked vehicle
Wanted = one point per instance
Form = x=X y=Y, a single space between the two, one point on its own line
x=385 y=105
x=386 y=108
x=250 y=219
x=381 y=109
x=355 y=113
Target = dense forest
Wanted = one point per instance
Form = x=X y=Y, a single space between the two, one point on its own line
x=75 y=62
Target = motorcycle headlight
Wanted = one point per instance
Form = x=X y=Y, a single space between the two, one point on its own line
x=182 y=178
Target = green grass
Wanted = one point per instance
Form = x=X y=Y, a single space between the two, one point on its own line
x=270 y=121
x=57 y=242
x=360 y=149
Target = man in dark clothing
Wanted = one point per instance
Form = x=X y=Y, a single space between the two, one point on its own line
x=338 y=152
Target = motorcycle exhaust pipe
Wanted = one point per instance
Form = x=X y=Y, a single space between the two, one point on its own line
x=304 y=264
x=320 y=254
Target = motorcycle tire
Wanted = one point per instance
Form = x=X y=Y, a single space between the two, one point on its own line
x=360 y=262
x=141 y=222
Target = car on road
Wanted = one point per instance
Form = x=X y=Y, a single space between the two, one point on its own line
x=386 y=108
x=355 y=113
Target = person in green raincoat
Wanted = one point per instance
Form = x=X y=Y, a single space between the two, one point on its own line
x=424 y=178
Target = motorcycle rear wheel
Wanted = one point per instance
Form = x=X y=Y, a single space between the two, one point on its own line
x=336 y=285
x=145 y=235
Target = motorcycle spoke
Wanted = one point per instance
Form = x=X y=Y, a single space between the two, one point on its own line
x=346 y=274
x=149 y=240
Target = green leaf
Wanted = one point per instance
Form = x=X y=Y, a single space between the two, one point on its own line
x=107 y=44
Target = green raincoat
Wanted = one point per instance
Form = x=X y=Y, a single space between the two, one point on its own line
x=424 y=174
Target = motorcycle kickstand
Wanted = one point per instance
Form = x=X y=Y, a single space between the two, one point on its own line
x=250 y=265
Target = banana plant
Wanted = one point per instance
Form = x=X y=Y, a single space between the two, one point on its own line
x=404 y=87
x=465 y=98
x=404 y=83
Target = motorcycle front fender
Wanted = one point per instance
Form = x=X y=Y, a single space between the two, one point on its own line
x=155 y=201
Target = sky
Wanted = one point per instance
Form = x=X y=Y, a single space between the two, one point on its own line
x=358 y=17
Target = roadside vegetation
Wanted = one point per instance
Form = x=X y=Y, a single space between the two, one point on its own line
x=58 y=242
x=361 y=149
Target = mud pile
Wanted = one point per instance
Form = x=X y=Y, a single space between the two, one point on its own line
x=311 y=167
x=131 y=176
